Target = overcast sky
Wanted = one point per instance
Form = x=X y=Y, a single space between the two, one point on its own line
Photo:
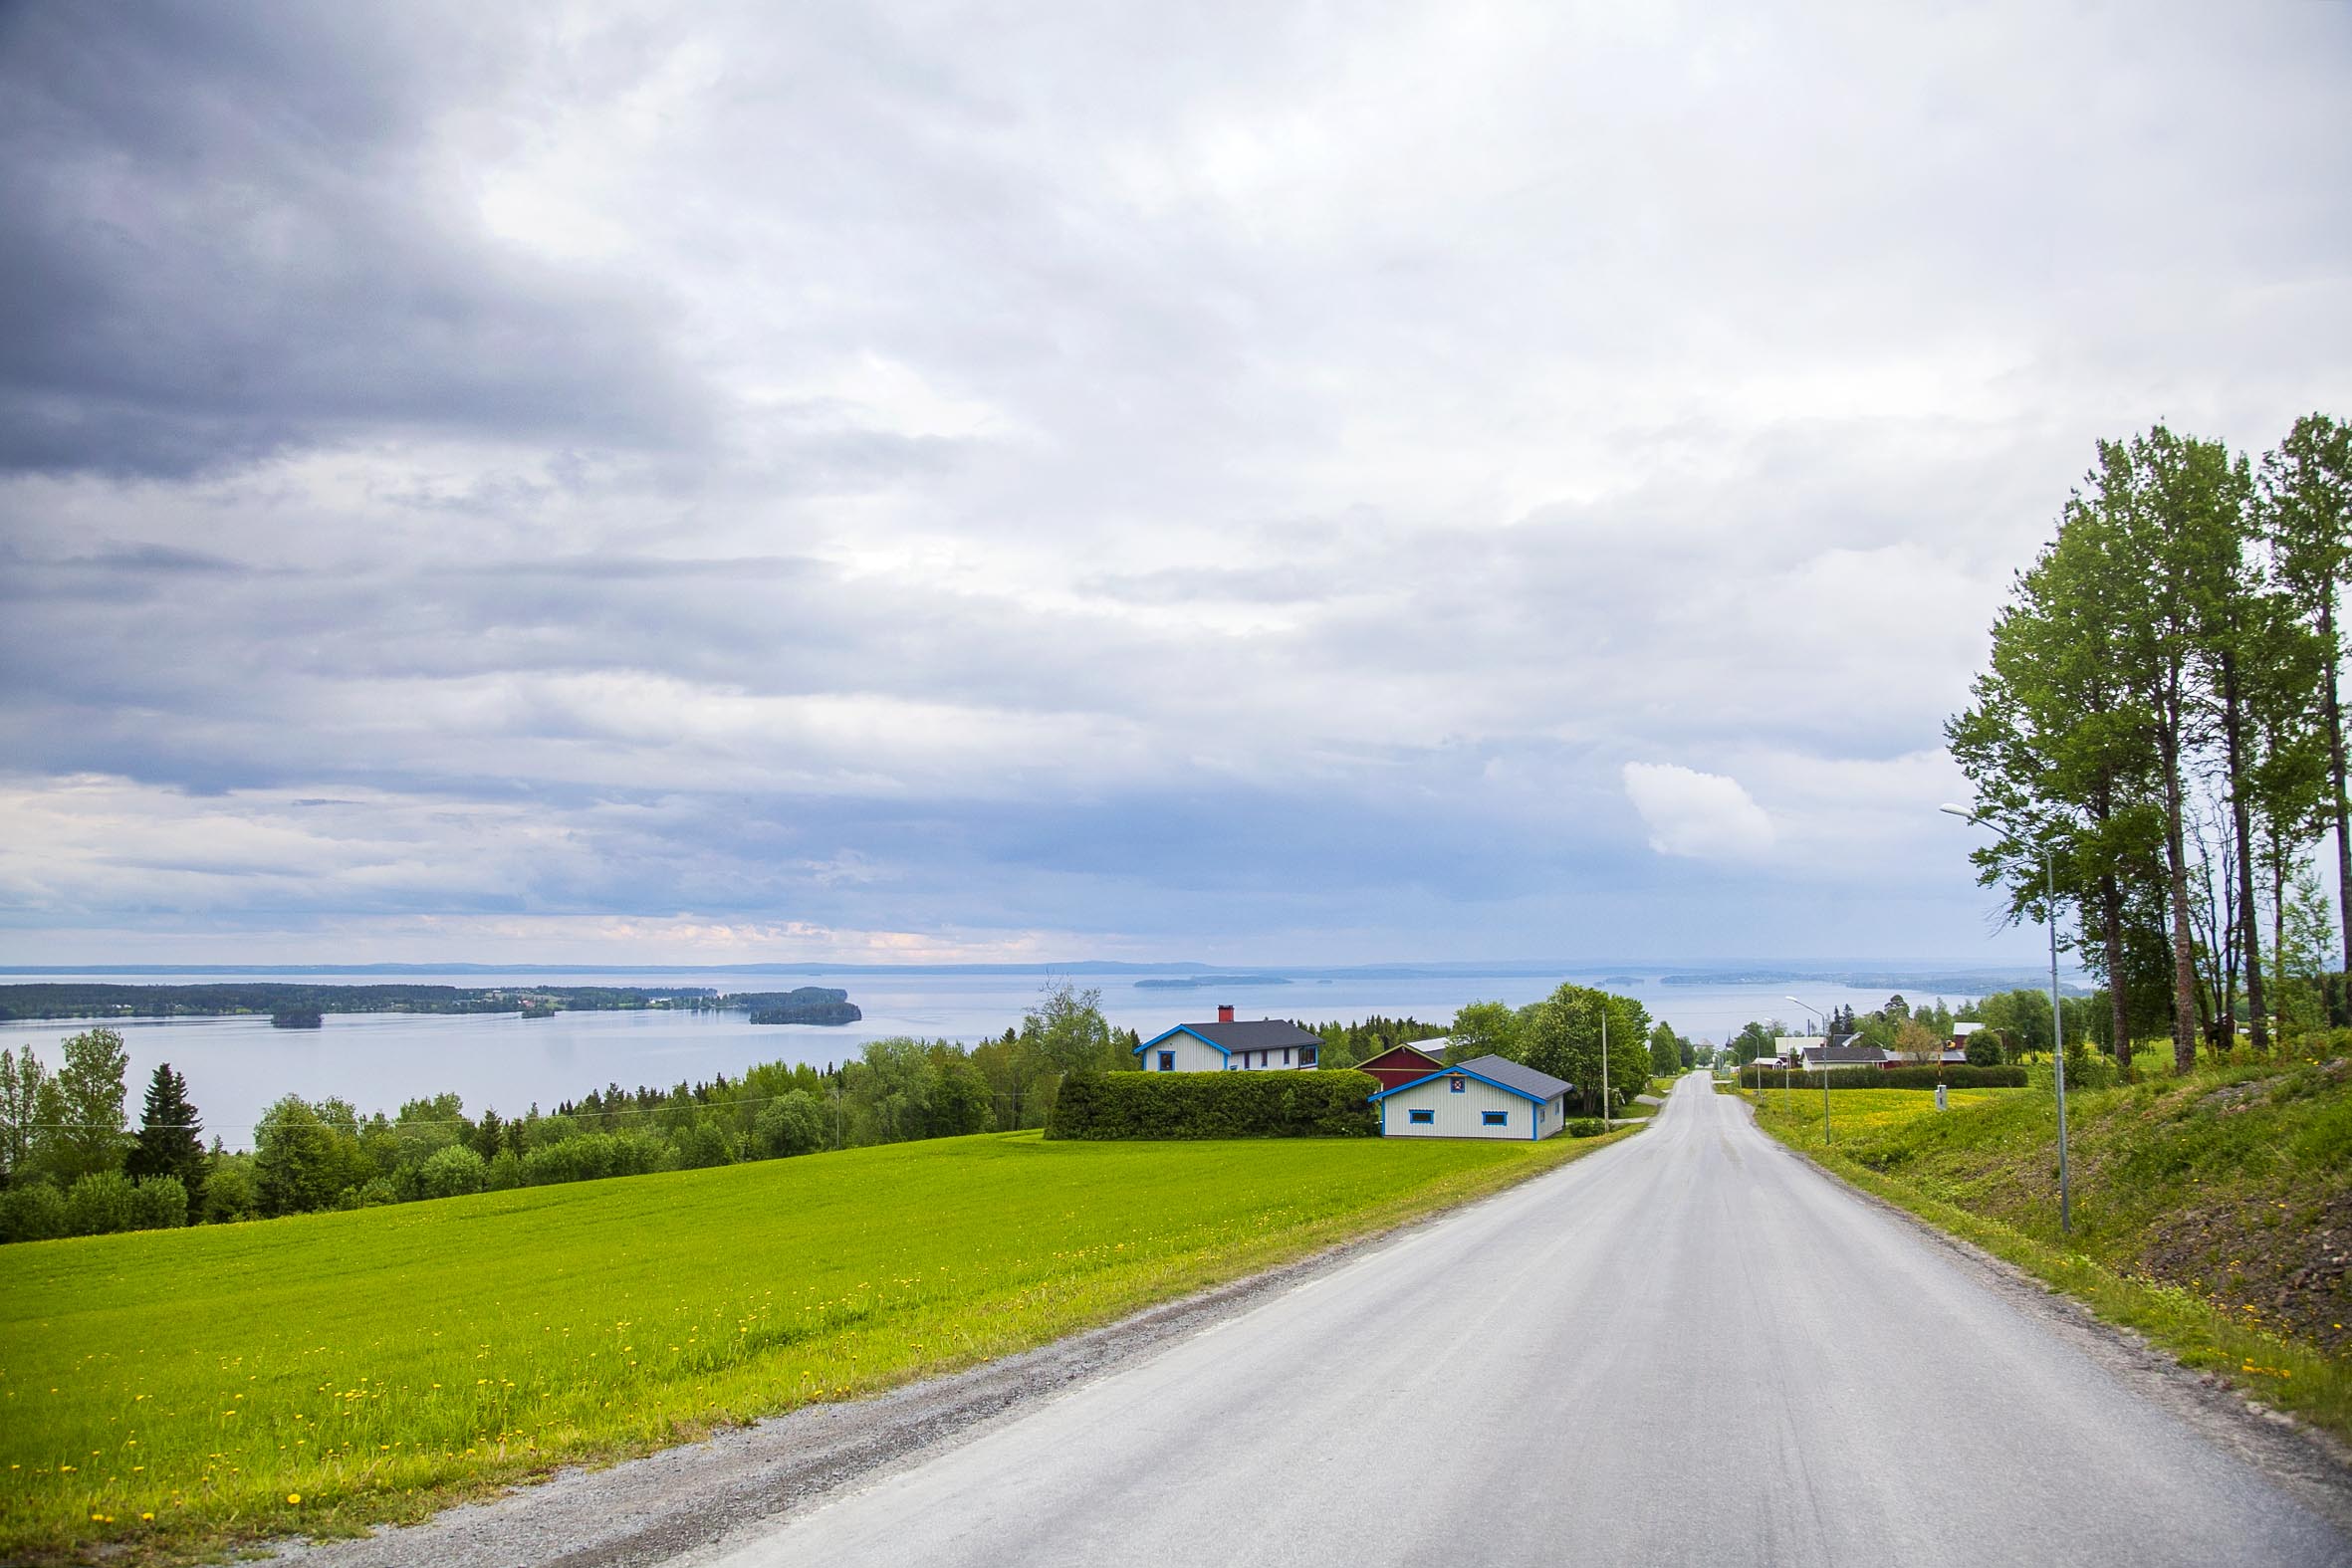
x=1250 y=484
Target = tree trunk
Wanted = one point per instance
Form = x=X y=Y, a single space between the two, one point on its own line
x=2111 y=916
x=2233 y=726
x=2185 y=989
x=2278 y=925
x=2335 y=762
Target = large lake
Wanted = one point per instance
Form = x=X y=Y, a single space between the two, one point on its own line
x=235 y=1066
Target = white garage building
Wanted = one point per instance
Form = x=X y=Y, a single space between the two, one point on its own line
x=1485 y=1097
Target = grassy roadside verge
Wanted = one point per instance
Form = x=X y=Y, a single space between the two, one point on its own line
x=2229 y=1343
x=168 y=1393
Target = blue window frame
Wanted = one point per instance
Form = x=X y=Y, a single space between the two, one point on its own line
x=1167 y=1061
x=1496 y=1118
x=1307 y=1056
x=1460 y=1085
x=1421 y=1118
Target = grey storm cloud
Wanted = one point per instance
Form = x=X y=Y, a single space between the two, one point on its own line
x=225 y=241
x=1416 y=481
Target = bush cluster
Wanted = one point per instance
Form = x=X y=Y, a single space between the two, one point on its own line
x=1113 y=1105
x=1585 y=1127
x=1954 y=1077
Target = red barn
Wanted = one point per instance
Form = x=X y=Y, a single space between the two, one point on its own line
x=1403 y=1063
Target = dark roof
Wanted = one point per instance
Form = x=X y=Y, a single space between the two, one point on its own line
x=1498 y=1071
x=1846 y=1055
x=1254 y=1034
x=1513 y=1075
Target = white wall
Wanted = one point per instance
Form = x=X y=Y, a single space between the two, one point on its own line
x=1193 y=1054
x=1460 y=1115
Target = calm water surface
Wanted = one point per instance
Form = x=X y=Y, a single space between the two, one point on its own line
x=235 y=1066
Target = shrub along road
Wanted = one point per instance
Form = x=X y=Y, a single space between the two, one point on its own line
x=1515 y=1384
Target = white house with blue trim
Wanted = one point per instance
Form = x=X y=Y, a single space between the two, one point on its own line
x=1485 y=1097
x=1228 y=1045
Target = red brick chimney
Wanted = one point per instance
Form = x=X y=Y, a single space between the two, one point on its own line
x=1225 y=1013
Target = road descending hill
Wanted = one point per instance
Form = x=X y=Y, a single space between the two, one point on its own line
x=1533 y=1380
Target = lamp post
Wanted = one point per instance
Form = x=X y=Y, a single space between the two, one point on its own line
x=2049 y=876
x=1604 y=1064
x=1821 y=1018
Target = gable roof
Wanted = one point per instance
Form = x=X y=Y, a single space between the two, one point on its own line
x=1431 y=1051
x=1256 y=1034
x=1500 y=1071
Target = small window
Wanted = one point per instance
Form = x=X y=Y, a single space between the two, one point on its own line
x=1497 y=1118
x=1460 y=1085
x=1421 y=1118
x=1307 y=1056
x=1286 y=1055
x=1167 y=1061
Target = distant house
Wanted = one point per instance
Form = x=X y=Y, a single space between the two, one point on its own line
x=1403 y=1063
x=1792 y=1047
x=1828 y=1057
x=1228 y=1045
x=1485 y=1097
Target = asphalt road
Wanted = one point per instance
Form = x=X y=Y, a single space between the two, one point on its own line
x=1544 y=1377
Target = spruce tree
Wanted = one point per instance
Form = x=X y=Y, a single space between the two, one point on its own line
x=168 y=1142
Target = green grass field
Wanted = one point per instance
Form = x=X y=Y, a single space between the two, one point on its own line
x=179 y=1391
x=2208 y=1211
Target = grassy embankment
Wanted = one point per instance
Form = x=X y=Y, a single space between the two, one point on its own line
x=174 y=1392
x=2211 y=1214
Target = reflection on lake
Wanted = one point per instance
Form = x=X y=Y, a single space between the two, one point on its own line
x=236 y=1066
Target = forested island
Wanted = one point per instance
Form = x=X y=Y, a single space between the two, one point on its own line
x=303 y=1005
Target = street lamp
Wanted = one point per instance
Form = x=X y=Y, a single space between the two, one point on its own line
x=2057 y=1031
x=1821 y=1018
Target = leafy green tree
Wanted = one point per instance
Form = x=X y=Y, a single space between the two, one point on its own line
x=887 y=1091
x=794 y=1123
x=2307 y=490
x=960 y=1099
x=89 y=1135
x=1564 y=1038
x=101 y=1202
x=159 y=1202
x=170 y=1141
x=1068 y=1030
x=2056 y=744
x=2181 y=529
x=452 y=1172
x=1016 y=1076
x=1665 y=1052
x=1485 y=1029
x=302 y=1159
x=24 y=1083
x=32 y=1211
x=231 y=1192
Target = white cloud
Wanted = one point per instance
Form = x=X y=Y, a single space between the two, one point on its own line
x=1700 y=817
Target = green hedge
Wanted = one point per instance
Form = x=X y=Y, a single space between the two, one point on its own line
x=1956 y=1077
x=1296 y=1104
x=1585 y=1127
